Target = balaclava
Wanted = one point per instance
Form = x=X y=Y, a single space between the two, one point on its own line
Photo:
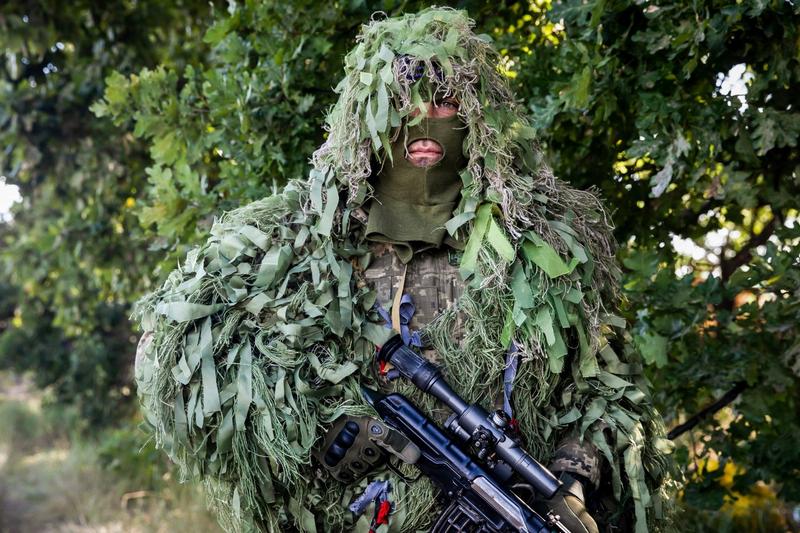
x=412 y=204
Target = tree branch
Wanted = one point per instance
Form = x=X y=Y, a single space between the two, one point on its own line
x=744 y=255
x=710 y=409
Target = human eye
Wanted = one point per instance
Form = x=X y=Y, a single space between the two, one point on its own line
x=446 y=107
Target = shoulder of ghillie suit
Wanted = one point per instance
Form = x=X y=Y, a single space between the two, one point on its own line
x=262 y=336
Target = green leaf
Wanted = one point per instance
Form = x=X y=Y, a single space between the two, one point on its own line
x=653 y=348
x=643 y=262
x=117 y=92
x=578 y=94
x=218 y=31
x=166 y=149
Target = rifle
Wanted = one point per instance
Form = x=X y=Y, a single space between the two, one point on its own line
x=481 y=499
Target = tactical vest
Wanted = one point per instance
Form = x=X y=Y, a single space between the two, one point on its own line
x=431 y=279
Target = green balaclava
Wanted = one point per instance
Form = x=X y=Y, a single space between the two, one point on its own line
x=411 y=204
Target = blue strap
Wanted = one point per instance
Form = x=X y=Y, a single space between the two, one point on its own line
x=407 y=309
x=377 y=491
x=509 y=374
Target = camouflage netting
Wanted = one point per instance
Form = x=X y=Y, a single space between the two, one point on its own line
x=262 y=336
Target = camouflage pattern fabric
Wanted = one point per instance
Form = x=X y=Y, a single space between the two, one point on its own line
x=431 y=279
x=577 y=457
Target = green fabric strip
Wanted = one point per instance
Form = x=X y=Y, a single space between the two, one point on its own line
x=211 y=402
x=244 y=394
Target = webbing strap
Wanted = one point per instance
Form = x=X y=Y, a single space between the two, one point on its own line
x=407 y=310
x=377 y=491
x=398 y=296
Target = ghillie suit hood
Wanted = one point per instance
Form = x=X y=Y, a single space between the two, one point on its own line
x=261 y=338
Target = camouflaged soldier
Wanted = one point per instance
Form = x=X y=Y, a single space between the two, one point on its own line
x=429 y=209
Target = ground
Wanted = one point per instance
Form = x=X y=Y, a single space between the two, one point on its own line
x=54 y=481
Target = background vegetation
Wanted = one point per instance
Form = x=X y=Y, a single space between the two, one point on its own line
x=128 y=125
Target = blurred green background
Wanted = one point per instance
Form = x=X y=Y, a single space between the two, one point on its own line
x=126 y=126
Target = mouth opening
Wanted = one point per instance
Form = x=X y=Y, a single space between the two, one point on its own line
x=424 y=152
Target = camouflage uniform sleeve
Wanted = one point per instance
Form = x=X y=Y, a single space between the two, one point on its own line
x=577 y=457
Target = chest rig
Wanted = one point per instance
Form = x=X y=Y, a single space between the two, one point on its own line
x=430 y=279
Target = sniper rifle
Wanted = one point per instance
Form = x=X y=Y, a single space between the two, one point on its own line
x=482 y=498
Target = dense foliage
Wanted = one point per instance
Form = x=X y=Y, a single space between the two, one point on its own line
x=74 y=251
x=202 y=111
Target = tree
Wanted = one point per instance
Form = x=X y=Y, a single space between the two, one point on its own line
x=632 y=99
x=74 y=252
x=683 y=115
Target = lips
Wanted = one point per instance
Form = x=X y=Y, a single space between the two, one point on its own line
x=424 y=152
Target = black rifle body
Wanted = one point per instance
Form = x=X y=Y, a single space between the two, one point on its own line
x=479 y=500
x=479 y=503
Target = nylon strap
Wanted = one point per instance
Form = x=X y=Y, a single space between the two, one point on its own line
x=398 y=297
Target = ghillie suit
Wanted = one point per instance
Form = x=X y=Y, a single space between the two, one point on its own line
x=260 y=339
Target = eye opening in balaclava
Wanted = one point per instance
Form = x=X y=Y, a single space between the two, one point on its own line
x=411 y=204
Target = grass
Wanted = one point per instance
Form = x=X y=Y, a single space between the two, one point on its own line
x=52 y=480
